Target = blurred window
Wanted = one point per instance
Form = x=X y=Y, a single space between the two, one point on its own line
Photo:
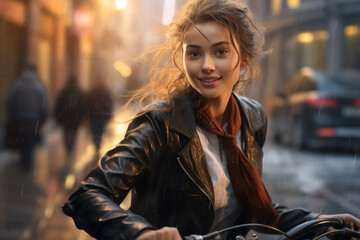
x=352 y=47
x=276 y=6
x=293 y=3
x=307 y=49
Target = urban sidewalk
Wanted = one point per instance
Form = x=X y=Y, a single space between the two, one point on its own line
x=30 y=202
x=58 y=226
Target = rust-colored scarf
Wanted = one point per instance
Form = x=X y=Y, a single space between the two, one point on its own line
x=246 y=181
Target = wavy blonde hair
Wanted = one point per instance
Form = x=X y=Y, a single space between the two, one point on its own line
x=167 y=75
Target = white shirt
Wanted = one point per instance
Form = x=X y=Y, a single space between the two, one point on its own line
x=226 y=206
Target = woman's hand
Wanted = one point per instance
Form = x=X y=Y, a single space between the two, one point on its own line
x=165 y=233
x=355 y=220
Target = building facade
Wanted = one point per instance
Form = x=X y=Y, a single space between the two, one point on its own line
x=59 y=37
x=91 y=39
x=321 y=34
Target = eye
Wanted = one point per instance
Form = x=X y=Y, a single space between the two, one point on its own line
x=221 y=52
x=193 y=54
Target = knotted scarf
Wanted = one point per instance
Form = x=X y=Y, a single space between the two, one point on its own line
x=246 y=181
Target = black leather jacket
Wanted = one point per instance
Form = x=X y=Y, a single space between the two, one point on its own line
x=162 y=162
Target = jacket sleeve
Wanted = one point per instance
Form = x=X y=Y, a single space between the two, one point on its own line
x=94 y=207
x=290 y=218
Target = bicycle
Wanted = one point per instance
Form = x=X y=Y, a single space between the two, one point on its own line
x=341 y=227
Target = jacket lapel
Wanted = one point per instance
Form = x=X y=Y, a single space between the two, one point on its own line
x=191 y=158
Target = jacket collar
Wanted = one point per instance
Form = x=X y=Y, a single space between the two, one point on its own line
x=244 y=110
x=183 y=117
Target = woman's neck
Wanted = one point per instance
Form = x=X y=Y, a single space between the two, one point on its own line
x=218 y=110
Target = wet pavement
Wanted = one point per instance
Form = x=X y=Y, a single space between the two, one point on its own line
x=30 y=202
x=325 y=182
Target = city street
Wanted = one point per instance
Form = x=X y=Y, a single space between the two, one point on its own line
x=326 y=182
x=31 y=202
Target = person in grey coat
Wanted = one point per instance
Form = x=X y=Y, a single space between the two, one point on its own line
x=27 y=107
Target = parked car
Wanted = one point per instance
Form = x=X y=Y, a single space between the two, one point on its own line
x=318 y=110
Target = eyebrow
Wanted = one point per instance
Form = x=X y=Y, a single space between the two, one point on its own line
x=214 y=45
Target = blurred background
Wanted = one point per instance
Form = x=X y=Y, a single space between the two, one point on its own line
x=81 y=54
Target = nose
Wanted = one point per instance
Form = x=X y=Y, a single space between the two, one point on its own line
x=208 y=64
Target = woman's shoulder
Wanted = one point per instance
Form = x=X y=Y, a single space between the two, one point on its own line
x=249 y=104
x=176 y=112
x=172 y=104
x=254 y=112
x=157 y=110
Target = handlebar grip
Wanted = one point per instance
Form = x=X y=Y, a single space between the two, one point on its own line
x=318 y=223
x=352 y=233
x=348 y=223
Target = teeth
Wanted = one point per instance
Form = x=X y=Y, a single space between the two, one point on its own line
x=209 y=80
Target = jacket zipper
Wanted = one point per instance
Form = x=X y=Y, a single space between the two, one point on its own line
x=193 y=180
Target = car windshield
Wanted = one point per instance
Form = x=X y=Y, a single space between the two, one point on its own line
x=339 y=84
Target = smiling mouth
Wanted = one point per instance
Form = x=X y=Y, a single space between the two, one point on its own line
x=209 y=80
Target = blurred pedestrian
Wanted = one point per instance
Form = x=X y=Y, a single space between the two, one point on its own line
x=27 y=108
x=70 y=111
x=100 y=104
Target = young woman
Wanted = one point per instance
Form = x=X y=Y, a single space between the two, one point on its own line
x=193 y=159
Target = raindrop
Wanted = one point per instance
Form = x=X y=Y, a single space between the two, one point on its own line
x=307 y=198
x=354 y=161
x=319 y=111
x=22 y=190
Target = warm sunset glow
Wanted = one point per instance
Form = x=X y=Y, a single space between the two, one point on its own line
x=121 y=4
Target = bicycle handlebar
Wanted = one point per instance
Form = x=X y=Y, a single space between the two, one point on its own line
x=316 y=224
x=342 y=225
x=215 y=233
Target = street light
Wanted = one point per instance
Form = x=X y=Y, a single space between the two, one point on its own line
x=83 y=20
x=120 y=4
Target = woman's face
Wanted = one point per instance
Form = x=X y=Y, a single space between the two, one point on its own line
x=210 y=60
